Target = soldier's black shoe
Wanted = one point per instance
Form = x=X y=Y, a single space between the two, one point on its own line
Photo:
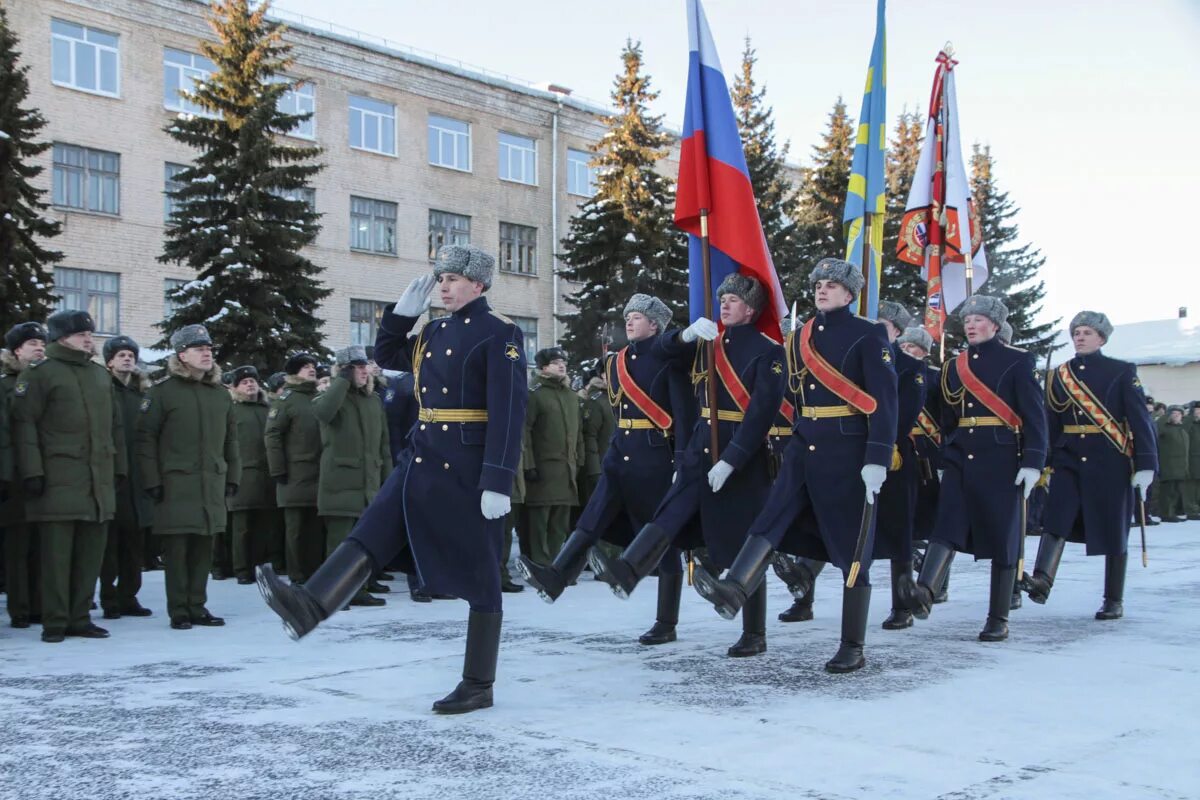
x=898 y=620
x=726 y=596
x=386 y=576
x=856 y=605
x=801 y=611
x=1014 y=602
x=550 y=581
x=327 y=590
x=181 y=624
x=53 y=637
x=749 y=644
x=1114 y=587
x=219 y=574
x=363 y=599
x=111 y=613
x=1049 y=555
x=1111 y=609
x=743 y=578
x=420 y=596
x=917 y=596
x=20 y=622
x=375 y=587
x=245 y=579
x=659 y=633
x=136 y=609
x=798 y=574
x=89 y=631
x=207 y=620
x=508 y=587
x=670 y=589
x=901 y=617
x=479 y=666
x=638 y=560
x=1000 y=596
x=753 y=641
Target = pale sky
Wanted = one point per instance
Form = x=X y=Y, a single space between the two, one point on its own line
x=1091 y=107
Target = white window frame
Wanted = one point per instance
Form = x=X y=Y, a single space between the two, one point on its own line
x=305 y=194
x=374 y=218
x=300 y=99
x=529 y=332
x=518 y=256
x=519 y=152
x=170 y=170
x=196 y=71
x=89 y=176
x=87 y=293
x=376 y=118
x=442 y=234
x=357 y=330
x=444 y=135
x=579 y=169
x=171 y=306
x=100 y=48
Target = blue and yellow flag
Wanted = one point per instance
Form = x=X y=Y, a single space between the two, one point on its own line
x=867 y=192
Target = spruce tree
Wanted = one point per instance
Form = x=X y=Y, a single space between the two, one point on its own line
x=234 y=225
x=26 y=279
x=1013 y=267
x=766 y=162
x=901 y=280
x=623 y=241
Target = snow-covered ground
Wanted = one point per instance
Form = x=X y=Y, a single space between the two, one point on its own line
x=1068 y=708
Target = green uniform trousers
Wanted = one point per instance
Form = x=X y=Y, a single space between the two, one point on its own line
x=305 y=539
x=71 y=553
x=336 y=531
x=256 y=539
x=187 y=559
x=548 y=528
x=1170 y=498
x=1193 y=498
x=23 y=569
x=121 y=570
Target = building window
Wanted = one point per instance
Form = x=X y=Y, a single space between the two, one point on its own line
x=446 y=228
x=170 y=306
x=300 y=99
x=518 y=248
x=171 y=185
x=449 y=143
x=87 y=179
x=529 y=328
x=184 y=72
x=518 y=159
x=84 y=58
x=305 y=194
x=98 y=293
x=365 y=316
x=372 y=225
x=372 y=125
x=581 y=176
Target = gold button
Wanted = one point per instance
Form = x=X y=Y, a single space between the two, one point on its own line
x=417 y=459
x=626 y=458
x=627 y=432
x=446 y=465
x=445 y=390
x=467 y=321
x=976 y=355
x=820 y=327
x=1083 y=459
x=428 y=354
x=448 y=351
x=812 y=386
x=625 y=405
x=1083 y=366
x=633 y=355
x=422 y=426
x=706 y=449
x=971 y=456
x=726 y=341
x=970 y=405
x=443 y=324
x=424 y=388
x=445 y=427
x=812 y=447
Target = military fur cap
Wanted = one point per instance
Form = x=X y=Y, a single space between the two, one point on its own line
x=22 y=332
x=190 y=336
x=543 y=357
x=355 y=355
x=276 y=381
x=918 y=336
x=894 y=313
x=654 y=309
x=1095 y=320
x=838 y=271
x=241 y=373
x=1172 y=409
x=296 y=362
x=116 y=345
x=470 y=262
x=1005 y=333
x=745 y=287
x=323 y=371
x=986 y=306
x=65 y=323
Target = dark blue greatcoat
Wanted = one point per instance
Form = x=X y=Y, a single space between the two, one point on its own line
x=725 y=516
x=898 y=498
x=1091 y=500
x=815 y=508
x=471 y=359
x=980 y=508
x=929 y=459
x=636 y=471
x=400 y=405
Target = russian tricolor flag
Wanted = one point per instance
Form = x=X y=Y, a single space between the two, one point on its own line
x=713 y=176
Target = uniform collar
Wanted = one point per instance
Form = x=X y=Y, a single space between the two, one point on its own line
x=642 y=344
x=834 y=317
x=992 y=345
x=1090 y=358
x=60 y=352
x=740 y=331
x=477 y=306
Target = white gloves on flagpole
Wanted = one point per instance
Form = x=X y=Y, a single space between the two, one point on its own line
x=415 y=300
x=494 y=505
x=1028 y=478
x=718 y=475
x=873 y=477
x=703 y=328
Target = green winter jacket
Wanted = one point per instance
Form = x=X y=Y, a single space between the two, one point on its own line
x=187 y=444
x=12 y=511
x=134 y=508
x=554 y=443
x=598 y=426
x=355 y=457
x=1173 y=441
x=293 y=441
x=1192 y=426
x=67 y=429
x=256 y=489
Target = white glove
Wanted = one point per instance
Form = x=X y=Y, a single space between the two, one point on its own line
x=494 y=505
x=415 y=300
x=1029 y=477
x=873 y=476
x=703 y=328
x=674 y=475
x=941 y=474
x=718 y=475
x=1142 y=480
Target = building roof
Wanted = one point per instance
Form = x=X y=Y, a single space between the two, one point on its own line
x=1171 y=342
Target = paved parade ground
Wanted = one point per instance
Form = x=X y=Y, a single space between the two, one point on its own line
x=1067 y=708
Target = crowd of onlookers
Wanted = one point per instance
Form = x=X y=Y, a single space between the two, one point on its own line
x=1176 y=492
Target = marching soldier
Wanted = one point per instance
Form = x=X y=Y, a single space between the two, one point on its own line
x=652 y=398
x=253 y=516
x=724 y=496
x=121 y=572
x=994 y=425
x=188 y=454
x=71 y=454
x=448 y=497
x=842 y=378
x=26 y=344
x=1101 y=433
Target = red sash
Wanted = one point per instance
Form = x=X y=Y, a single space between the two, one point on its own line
x=830 y=378
x=644 y=402
x=733 y=384
x=990 y=399
x=1091 y=406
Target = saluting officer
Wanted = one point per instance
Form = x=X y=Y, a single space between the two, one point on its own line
x=725 y=496
x=1101 y=433
x=448 y=496
x=842 y=380
x=256 y=532
x=994 y=425
x=71 y=453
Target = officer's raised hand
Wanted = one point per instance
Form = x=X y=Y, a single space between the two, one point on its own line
x=494 y=505
x=703 y=328
x=415 y=300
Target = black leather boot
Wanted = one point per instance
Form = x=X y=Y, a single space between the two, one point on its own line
x=918 y=597
x=753 y=641
x=474 y=691
x=639 y=559
x=329 y=589
x=1050 y=553
x=996 y=627
x=670 y=588
x=1114 y=587
x=856 y=605
x=798 y=574
x=900 y=617
x=741 y=580
x=549 y=582
x=943 y=594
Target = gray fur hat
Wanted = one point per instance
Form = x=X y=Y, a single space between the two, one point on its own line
x=895 y=313
x=1005 y=333
x=355 y=355
x=654 y=309
x=190 y=336
x=470 y=262
x=745 y=287
x=1095 y=320
x=918 y=336
x=987 y=306
x=838 y=271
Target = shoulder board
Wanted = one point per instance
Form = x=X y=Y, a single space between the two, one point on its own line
x=285 y=394
x=535 y=387
x=768 y=338
x=1018 y=349
x=501 y=317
